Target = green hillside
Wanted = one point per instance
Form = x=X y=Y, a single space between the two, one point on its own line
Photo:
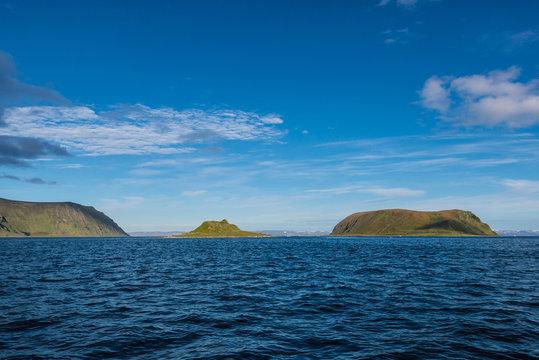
x=413 y=223
x=219 y=229
x=22 y=218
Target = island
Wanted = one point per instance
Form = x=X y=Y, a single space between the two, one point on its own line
x=219 y=229
x=412 y=223
x=54 y=219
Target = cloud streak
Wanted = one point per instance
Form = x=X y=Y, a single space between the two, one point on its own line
x=138 y=129
x=376 y=190
x=397 y=36
x=408 y=3
x=193 y=193
x=510 y=41
x=34 y=180
x=522 y=186
x=494 y=99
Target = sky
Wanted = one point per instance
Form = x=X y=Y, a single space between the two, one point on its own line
x=276 y=115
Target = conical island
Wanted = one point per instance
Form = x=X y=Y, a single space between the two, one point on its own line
x=54 y=219
x=219 y=229
x=412 y=223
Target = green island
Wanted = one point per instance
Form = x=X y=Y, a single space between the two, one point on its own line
x=401 y=222
x=54 y=219
x=219 y=229
x=68 y=219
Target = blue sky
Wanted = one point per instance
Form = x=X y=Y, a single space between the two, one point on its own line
x=272 y=114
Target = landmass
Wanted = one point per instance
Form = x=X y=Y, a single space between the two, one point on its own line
x=159 y=234
x=219 y=229
x=412 y=223
x=54 y=219
x=534 y=233
x=292 y=233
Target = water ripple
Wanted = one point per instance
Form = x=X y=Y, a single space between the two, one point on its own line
x=275 y=298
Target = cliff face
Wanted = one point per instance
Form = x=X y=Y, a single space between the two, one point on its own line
x=413 y=223
x=219 y=229
x=22 y=218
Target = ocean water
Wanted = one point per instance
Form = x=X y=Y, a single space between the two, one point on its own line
x=274 y=298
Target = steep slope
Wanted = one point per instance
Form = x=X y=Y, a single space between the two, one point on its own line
x=219 y=229
x=22 y=218
x=413 y=223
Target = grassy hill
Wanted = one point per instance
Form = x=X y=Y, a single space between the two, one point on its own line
x=22 y=218
x=219 y=229
x=413 y=223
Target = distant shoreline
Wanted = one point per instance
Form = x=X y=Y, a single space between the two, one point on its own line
x=257 y=237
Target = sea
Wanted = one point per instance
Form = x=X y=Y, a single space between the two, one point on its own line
x=270 y=298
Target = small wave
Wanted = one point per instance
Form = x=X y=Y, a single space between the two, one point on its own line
x=312 y=298
x=26 y=324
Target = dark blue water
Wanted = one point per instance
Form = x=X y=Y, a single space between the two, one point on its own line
x=279 y=298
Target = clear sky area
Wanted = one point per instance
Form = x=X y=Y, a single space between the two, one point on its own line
x=271 y=114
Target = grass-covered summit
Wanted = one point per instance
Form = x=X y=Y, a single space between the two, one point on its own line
x=219 y=229
x=24 y=218
x=413 y=223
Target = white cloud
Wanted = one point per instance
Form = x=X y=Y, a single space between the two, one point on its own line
x=511 y=41
x=435 y=95
x=522 y=186
x=271 y=119
x=407 y=2
x=523 y=37
x=70 y=166
x=184 y=162
x=396 y=36
x=399 y=2
x=137 y=129
x=395 y=192
x=494 y=99
x=194 y=193
x=376 y=190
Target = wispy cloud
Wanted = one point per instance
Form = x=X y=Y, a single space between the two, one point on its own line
x=522 y=186
x=523 y=37
x=510 y=41
x=428 y=154
x=395 y=192
x=70 y=166
x=494 y=99
x=345 y=177
x=407 y=3
x=439 y=145
x=138 y=129
x=375 y=190
x=34 y=180
x=194 y=193
x=178 y=163
x=396 y=36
